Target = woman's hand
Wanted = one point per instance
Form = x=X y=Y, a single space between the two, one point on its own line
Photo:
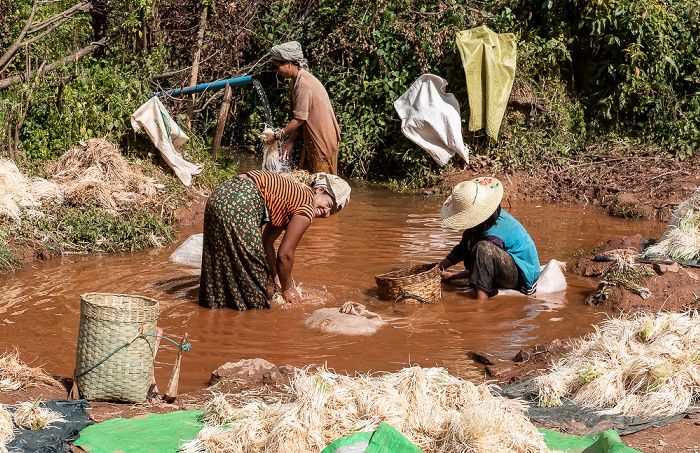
x=270 y=139
x=286 y=149
x=446 y=276
x=291 y=296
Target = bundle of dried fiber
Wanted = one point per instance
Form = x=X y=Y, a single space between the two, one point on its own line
x=300 y=176
x=15 y=374
x=644 y=365
x=435 y=411
x=217 y=411
x=681 y=240
x=271 y=153
x=18 y=191
x=30 y=415
x=6 y=429
x=96 y=173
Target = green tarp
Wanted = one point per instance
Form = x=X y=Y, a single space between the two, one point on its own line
x=489 y=66
x=164 y=433
x=154 y=433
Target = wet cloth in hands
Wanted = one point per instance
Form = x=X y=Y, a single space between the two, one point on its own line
x=234 y=269
x=357 y=309
x=430 y=118
x=166 y=135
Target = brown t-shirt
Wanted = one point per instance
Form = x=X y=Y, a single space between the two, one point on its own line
x=321 y=134
x=283 y=197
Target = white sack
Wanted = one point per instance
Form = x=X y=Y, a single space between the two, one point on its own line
x=430 y=118
x=190 y=252
x=552 y=280
x=166 y=135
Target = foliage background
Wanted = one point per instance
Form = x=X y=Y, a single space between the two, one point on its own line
x=612 y=75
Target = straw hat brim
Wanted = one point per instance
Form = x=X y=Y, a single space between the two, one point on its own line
x=465 y=218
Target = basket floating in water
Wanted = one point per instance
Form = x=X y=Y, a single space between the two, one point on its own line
x=109 y=322
x=421 y=280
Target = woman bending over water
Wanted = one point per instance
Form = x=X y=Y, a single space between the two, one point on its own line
x=237 y=259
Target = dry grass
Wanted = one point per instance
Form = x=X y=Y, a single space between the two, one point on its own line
x=435 y=411
x=681 y=240
x=271 y=154
x=30 y=415
x=300 y=176
x=96 y=174
x=6 y=429
x=18 y=191
x=647 y=365
x=15 y=374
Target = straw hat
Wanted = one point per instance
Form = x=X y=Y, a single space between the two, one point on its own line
x=471 y=202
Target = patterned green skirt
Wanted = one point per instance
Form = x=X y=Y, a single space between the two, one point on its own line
x=234 y=269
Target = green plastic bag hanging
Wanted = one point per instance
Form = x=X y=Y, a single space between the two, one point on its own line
x=489 y=65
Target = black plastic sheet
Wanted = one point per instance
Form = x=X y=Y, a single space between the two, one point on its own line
x=579 y=420
x=58 y=436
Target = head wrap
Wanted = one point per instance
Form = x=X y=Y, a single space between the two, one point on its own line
x=335 y=186
x=289 y=51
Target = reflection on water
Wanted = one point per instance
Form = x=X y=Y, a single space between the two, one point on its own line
x=336 y=262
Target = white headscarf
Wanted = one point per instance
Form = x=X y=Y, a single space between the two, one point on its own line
x=335 y=186
x=289 y=51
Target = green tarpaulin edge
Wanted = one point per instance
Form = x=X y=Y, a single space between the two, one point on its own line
x=164 y=433
x=153 y=433
x=606 y=442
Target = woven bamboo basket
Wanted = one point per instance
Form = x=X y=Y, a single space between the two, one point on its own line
x=421 y=280
x=108 y=322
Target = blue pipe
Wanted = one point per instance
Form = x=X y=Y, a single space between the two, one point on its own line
x=212 y=86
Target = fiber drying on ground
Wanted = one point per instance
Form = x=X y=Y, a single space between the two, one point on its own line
x=681 y=240
x=93 y=174
x=647 y=365
x=30 y=415
x=16 y=375
x=96 y=174
x=439 y=413
x=18 y=191
x=6 y=429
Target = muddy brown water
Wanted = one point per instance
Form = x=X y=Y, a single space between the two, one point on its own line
x=336 y=262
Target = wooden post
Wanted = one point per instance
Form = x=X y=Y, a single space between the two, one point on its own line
x=223 y=114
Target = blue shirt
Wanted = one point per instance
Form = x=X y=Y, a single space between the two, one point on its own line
x=511 y=236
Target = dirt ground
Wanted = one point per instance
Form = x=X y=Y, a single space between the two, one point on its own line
x=639 y=187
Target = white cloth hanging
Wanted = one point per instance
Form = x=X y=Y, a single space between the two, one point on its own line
x=430 y=118
x=166 y=135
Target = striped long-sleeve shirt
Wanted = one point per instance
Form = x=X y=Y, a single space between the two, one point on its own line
x=283 y=197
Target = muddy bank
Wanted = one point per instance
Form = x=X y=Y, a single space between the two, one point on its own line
x=632 y=187
x=668 y=286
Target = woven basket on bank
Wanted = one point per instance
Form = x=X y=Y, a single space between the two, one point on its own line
x=108 y=322
x=421 y=280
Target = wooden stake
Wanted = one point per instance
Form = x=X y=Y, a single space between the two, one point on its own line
x=223 y=114
x=171 y=391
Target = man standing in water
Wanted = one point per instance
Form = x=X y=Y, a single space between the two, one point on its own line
x=312 y=114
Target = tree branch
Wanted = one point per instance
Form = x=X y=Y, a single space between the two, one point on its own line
x=63 y=61
x=7 y=56
x=30 y=29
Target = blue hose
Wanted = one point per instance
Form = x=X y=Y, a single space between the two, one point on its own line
x=212 y=86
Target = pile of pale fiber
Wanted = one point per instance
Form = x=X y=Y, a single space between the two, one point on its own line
x=17 y=191
x=16 y=375
x=435 y=411
x=96 y=174
x=681 y=240
x=644 y=366
x=271 y=153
